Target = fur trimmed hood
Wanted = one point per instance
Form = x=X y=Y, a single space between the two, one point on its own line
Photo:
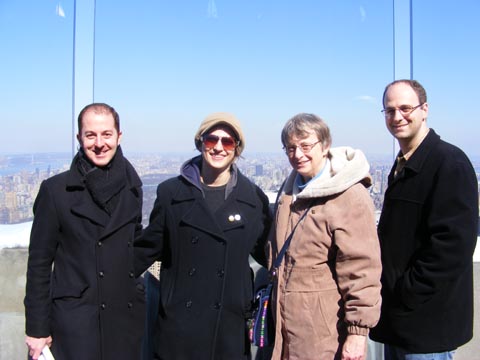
x=347 y=166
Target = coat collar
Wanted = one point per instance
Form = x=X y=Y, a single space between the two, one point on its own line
x=75 y=179
x=128 y=208
x=200 y=216
x=242 y=190
x=416 y=161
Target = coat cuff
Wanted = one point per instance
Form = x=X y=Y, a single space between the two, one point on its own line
x=357 y=330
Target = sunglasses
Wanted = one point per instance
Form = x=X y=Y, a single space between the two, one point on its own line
x=228 y=143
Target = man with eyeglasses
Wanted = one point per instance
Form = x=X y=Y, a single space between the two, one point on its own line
x=427 y=231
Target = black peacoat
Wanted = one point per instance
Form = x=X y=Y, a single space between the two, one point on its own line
x=428 y=232
x=206 y=286
x=90 y=302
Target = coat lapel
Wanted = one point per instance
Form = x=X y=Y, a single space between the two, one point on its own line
x=230 y=217
x=415 y=164
x=200 y=217
x=126 y=211
x=86 y=208
x=82 y=204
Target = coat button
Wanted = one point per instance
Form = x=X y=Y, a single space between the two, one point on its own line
x=130 y=305
x=103 y=306
x=194 y=240
x=192 y=271
x=217 y=306
x=220 y=273
x=129 y=243
x=99 y=243
x=188 y=304
x=131 y=274
x=101 y=274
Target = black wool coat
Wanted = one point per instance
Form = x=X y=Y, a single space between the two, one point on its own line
x=206 y=286
x=428 y=232
x=90 y=302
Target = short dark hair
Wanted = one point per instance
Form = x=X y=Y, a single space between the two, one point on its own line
x=301 y=124
x=99 y=108
x=414 y=84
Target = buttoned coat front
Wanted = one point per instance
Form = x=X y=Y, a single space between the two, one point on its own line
x=90 y=303
x=205 y=279
x=428 y=231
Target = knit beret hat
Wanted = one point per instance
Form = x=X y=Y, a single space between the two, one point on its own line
x=220 y=118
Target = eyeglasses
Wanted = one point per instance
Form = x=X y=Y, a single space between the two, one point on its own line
x=305 y=148
x=228 y=143
x=404 y=110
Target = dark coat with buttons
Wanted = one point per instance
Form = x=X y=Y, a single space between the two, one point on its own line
x=90 y=302
x=428 y=232
x=206 y=286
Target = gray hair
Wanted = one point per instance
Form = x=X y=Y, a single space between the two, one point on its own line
x=302 y=124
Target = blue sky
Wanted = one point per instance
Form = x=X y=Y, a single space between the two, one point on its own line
x=165 y=65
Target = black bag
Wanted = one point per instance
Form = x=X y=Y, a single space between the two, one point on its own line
x=261 y=327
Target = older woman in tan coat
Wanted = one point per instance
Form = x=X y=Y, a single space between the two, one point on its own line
x=327 y=293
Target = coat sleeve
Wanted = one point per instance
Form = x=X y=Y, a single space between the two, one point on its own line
x=44 y=238
x=358 y=262
x=148 y=246
x=451 y=225
x=259 y=252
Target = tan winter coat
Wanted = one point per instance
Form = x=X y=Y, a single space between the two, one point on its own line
x=328 y=285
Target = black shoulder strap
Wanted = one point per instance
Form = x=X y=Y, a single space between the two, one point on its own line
x=279 y=193
x=285 y=246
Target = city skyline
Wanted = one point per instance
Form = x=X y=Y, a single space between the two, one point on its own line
x=19 y=187
x=18 y=190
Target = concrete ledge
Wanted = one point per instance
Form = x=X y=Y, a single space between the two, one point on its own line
x=12 y=336
x=13 y=265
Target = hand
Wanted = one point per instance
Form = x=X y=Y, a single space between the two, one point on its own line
x=36 y=345
x=354 y=347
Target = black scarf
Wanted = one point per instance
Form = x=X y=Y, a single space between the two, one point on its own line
x=103 y=183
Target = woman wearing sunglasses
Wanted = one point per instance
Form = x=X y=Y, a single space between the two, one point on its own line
x=204 y=225
x=327 y=292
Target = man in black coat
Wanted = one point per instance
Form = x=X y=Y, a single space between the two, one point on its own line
x=428 y=232
x=82 y=297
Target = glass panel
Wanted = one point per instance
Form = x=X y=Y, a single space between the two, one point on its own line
x=35 y=138
x=35 y=93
